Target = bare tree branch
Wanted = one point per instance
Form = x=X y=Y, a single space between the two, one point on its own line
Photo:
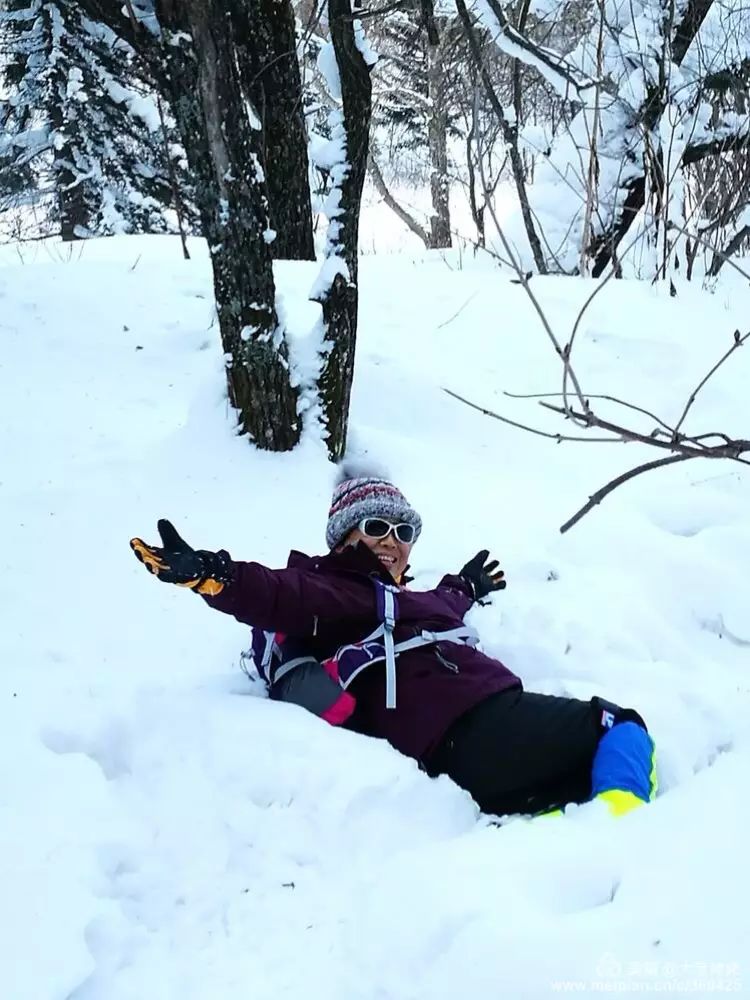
x=391 y=202
x=729 y=78
x=722 y=256
x=700 y=150
x=590 y=419
x=725 y=258
x=596 y=498
x=362 y=13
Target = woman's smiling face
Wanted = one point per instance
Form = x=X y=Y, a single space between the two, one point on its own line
x=393 y=554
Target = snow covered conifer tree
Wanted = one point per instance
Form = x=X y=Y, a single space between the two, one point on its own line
x=82 y=134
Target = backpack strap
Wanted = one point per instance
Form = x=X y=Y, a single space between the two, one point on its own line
x=272 y=657
x=387 y=610
x=351 y=660
x=269 y=647
x=464 y=634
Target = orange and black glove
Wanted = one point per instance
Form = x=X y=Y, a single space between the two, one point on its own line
x=483 y=577
x=176 y=562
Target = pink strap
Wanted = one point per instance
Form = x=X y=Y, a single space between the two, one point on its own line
x=340 y=710
x=331 y=667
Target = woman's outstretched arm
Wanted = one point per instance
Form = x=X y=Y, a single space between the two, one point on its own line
x=291 y=600
x=281 y=600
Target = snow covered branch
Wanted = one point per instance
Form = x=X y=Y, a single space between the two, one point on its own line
x=566 y=78
x=638 y=130
x=115 y=15
x=699 y=151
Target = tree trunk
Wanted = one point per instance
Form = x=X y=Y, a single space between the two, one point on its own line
x=437 y=137
x=69 y=185
x=267 y=59
x=177 y=200
x=71 y=200
x=223 y=150
x=339 y=293
x=477 y=213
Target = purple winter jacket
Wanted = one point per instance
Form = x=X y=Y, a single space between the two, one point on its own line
x=330 y=600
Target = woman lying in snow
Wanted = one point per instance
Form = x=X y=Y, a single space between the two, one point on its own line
x=342 y=635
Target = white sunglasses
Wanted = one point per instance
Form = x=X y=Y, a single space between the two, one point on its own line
x=377 y=527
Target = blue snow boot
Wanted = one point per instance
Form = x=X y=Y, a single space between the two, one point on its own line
x=623 y=773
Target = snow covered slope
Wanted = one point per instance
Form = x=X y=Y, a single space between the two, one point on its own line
x=166 y=832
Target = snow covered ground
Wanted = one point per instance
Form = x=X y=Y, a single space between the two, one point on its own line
x=166 y=832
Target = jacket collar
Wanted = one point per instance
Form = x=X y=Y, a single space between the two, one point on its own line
x=352 y=559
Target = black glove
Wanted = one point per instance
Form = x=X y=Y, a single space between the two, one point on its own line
x=483 y=577
x=204 y=572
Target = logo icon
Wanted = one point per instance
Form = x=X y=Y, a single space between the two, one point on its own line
x=608 y=966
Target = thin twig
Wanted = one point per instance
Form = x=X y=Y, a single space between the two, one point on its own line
x=510 y=137
x=596 y=498
x=561 y=353
x=738 y=342
x=459 y=311
x=173 y=179
x=594 y=395
x=601 y=284
x=713 y=434
x=533 y=430
x=593 y=165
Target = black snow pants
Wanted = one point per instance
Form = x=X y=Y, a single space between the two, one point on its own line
x=520 y=752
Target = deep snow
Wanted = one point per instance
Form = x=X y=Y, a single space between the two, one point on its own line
x=165 y=832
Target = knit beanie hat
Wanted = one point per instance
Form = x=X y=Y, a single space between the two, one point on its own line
x=367 y=496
